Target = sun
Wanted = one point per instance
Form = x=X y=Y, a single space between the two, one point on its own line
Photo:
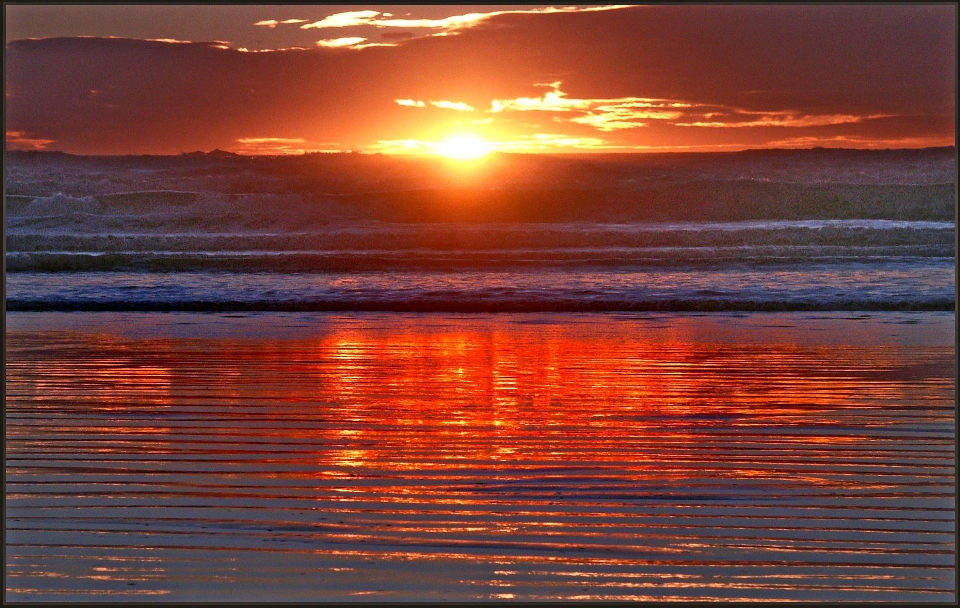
x=463 y=147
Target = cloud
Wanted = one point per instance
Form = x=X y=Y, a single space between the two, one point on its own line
x=447 y=24
x=352 y=42
x=629 y=77
x=447 y=105
x=338 y=42
x=453 y=105
x=280 y=145
x=21 y=140
x=602 y=114
x=783 y=119
x=634 y=112
x=347 y=19
x=272 y=23
x=169 y=40
x=623 y=116
x=875 y=143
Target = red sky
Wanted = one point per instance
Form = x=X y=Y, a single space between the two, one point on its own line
x=171 y=79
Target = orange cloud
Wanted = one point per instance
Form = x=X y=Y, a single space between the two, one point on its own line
x=454 y=22
x=352 y=42
x=623 y=116
x=602 y=114
x=280 y=145
x=338 y=42
x=447 y=105
x=634 y=112
x=785 y=119
x=552 y=101
x=21 y=140
x=453 y=105
x=347 y=19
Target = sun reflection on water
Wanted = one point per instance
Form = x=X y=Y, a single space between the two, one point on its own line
x=548 y=460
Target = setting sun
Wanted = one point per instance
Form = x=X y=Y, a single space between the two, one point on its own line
x=463 y=147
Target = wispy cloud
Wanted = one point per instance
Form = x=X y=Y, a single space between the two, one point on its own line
x=602 y=114
x=272 y=23
x=780 y=119
x=612 y=114
x=21 y=140
x=629 y=114
x=338 y=42
x=352 y=42
x=552 y=101
x=447 y=105
x=280 y=145
x=453 y=105
x=347 y=19
x=447 y=24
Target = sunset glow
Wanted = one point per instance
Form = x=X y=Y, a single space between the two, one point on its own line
x=432 y=303
x=463 y=147
x=402 y=82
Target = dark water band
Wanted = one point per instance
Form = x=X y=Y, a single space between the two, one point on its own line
x=481 y=306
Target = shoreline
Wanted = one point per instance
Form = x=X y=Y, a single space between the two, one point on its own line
x=869 y=327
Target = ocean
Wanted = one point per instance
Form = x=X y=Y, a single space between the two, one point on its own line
x=726 y=378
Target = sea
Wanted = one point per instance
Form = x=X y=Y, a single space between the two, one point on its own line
x=210 y=400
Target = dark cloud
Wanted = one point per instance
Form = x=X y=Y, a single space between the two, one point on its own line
x=112 y=95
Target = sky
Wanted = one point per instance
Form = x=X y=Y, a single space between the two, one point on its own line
x=463 y=80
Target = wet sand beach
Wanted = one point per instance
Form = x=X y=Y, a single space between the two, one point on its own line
x=389 y=456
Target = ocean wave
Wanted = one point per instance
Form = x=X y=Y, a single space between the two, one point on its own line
x=490 y=306
x=425 y=259
x=908 y=284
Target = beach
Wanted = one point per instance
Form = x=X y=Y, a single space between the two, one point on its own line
x=320 y=456
x=314 y=303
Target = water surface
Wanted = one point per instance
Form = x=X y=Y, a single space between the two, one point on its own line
x=387 y=456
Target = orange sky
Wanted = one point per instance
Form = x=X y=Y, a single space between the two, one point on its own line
x=464 y=80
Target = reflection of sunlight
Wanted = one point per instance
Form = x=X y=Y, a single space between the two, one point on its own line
x=351 y=458
x=605 y=448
